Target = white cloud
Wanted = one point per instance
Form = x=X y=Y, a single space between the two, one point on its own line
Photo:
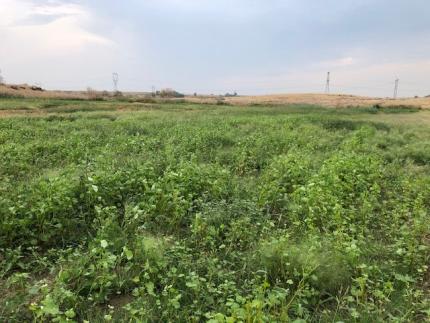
x=238 y=10
x=64 y=31
x=52 y=42
x=14 y=12
x=340 y=62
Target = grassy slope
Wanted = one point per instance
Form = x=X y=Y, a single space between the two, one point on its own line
x=202 y=212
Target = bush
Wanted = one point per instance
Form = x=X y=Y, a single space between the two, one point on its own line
x=7 y=95
x=146 y=99
x=170 y=93
x=281 y=178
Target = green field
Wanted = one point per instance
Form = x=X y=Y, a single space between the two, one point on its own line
x=174 y=212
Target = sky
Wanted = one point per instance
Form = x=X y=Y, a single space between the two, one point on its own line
x=219 y=46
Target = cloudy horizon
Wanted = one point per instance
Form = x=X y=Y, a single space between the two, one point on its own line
x=252 y=47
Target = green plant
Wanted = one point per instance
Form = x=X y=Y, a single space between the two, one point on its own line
x=167 y=212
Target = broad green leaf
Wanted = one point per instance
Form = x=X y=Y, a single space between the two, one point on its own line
x=49 y=306
x=128 y=253
x=104 y=244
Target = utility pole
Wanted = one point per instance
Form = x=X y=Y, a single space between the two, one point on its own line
x=396 y=88
x=153 y=90
x=327 y=85
x=115 y=79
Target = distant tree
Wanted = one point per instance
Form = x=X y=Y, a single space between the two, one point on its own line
x=36 y=88
x=170 y=93
x=1 y=78
x=230 y=95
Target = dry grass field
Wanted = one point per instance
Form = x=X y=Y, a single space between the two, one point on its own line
x=326 y=100
x=26 y=91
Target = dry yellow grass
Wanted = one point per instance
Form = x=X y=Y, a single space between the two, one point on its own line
x=24 y=90
x=326 y=100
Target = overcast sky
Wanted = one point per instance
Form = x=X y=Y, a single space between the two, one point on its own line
x=218 y=46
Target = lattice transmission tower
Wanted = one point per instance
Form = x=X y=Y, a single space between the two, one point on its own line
x=115 y=79
x=327 y=84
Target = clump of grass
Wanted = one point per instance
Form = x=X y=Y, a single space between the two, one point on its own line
x=145 y=100
x=317 y=263
x=111 y=117
x=54 y=118
x=15 y=108
x=77 y=108
x=7 y=95
x=397 y=108
x=419 y=153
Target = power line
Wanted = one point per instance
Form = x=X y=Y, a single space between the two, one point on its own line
x=327 y=85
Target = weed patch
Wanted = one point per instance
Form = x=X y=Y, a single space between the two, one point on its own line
x=167 y=212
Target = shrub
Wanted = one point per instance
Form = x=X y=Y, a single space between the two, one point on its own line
x=8 y=95
x=146 y=99
x=170 y=93
x=281 y=178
